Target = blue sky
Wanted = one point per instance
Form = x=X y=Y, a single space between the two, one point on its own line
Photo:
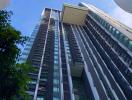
x=27 y=12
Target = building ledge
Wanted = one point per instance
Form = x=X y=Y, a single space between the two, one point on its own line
x=74 y=14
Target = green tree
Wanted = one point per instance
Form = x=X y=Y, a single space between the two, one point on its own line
x=13 y=76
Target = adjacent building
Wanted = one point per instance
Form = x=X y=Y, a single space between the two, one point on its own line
x=79 y=53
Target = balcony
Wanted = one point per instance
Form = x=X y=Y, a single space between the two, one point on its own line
x=74 y=14
x=77 y=68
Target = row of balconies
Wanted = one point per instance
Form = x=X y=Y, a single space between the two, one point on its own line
x=126 y=71
x=43 y=82
x=125 y=56
x=75 y=53
x=105 y=54
x=125 y=40
x=46 y=72
x=36 y=56
x=100 y=67
x=64 y=67
x=38 y=44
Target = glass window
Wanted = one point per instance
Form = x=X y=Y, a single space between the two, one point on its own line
x=110 y=28
x=56 y=37
x=117 y=34
x=55 y=98
x=30 y=92
x=126 y=40
x=33 y=82
x=130 y=45
x=69 y=59
x=43 y=79
x=56 y=49
x=56 y=81
x=56 y=34
x=68 y=51
x=55 y=89
x=56 y=62
x=56 y=43
x=56 y=73
x=56 y=40
x=56 y=46
x=55 y=57
x=56 y=66
x=56 y=52
x=40 y=98
x=106 y=24
x=121 y=37
x=113 y=30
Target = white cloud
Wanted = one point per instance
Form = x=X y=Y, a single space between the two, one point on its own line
x=122 y=16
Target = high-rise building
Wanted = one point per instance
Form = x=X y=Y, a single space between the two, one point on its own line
x=80 y=53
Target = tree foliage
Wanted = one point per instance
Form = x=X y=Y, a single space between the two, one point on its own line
x=13 y=76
